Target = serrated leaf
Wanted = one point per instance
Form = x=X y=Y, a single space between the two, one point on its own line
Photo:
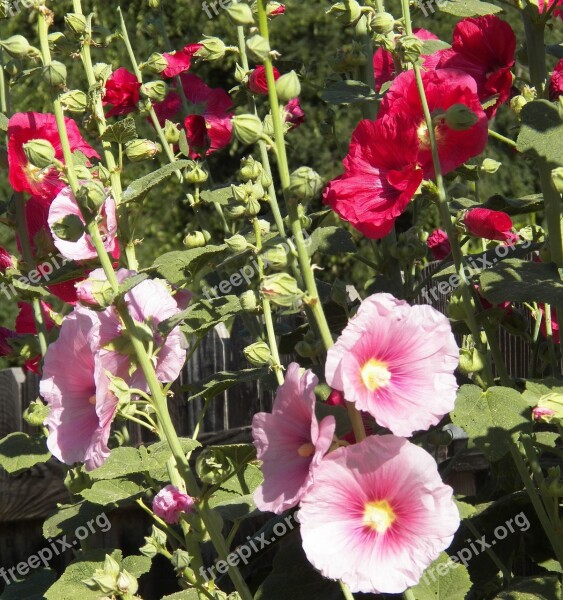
x=140 y=187
x=492 y=419
x=3 y=122
x=31 y=588
x=137 y=565
x=542 y=131
x=348 y=92
x=532 y=588
x=70 y=516
x=330 y=240
x=203 y=315
x=468 y=8
x=443 y=580
x=183 y=595
x=225 y=380
x=121 y=132
x=131 y=283
x=177 y=266
x=536 y=389
x=220 y=195
x=122 y=461
x=113 y=492
x=466 y=511
x=19 y=452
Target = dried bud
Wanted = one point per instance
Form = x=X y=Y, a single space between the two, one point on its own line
x=258 y=48
x=139 y=150
x=247 y=128
x=74 y=101
x=154 y=90
x=258 y=354
x=156 y=63
x=40 y=153
x=490 y=166
x=288 y=87
x=383 y=23
x=305 y=183
x=212 y=48
x=240 y=14
x=195 y=240
x=171 y=132
x=460 y=117
x=346 y=12
x=76 y=23
x=16 y=46
x=54 y=74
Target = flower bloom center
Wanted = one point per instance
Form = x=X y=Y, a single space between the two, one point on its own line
x=92 y=400
x=379 y=516
x=306 y=450
x=375 y=374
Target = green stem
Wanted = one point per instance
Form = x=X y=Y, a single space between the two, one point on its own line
x=4 y=97
x=345 y=591
x=502 y=138
x=409 y=595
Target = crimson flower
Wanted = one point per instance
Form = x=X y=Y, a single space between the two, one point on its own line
x=257 y=82
x=554 y=324
x=25 y=177
x=489 y=224
x=544 y=6
x=483 y=47
x=123 y=92
x=439 y=244
x=180 y=61
x=6 y=260
x=444 y=88
x=381 y=177
x=293 y=113
x=277 y=11
x=556 y=81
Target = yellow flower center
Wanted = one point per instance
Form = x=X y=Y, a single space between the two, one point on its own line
x=306 y=450
x=375 y=374
x=379 y=516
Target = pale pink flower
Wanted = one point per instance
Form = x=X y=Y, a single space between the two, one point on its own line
x=170 y=503
x=396 y=362
x=65 y=205
x=290 y=442
x=377 y=515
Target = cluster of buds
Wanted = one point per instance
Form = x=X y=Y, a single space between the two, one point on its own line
x=246 y=197
x=310 y=346
x=113 y=580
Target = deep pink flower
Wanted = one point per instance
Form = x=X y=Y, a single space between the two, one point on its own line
x=257 y=82
x=381 y=177
x=122 y=92
x=180 y=61
x=396 y=362
x=556 y=81
x=65 y=205
x=170 y=503
x=544 y=6
x=488 y=224
x=24 y=177
x=277 y=11
x=444 y=88
x=483 y=47
x=541 y=413
x=290 y=442
x=439 y=244
x=293 y=113
x=377 y=515
x=208 y=123
x=554 y=324
x=6 y=260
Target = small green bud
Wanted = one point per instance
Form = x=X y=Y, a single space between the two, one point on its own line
x=181 y=560
x=139 y=150
x=557 y=179
x=212 y=49
x=212 y=465
x=126 y=583
x=250 y=169
x=235 y=211
x=103 y=174
x=155 y=90
x=196 y=174
x=36 y=413
x=40 y=153
x=240 y=14
x=346 y=12
x=258 y=354
x=383 y=23
x=102 y=581
x=517 y=104
x=156 y=63
x=490 y=166
x=54 y=74
x=305 y=184
x=470 y=361
x=460 y=117
x=305 y=349
x=248 y=301
x=266 y=180
x=241 y=75
x=252 y=208
x=258 y=48
x=74 y=101
x=70 y=228
x=276 y=257
x=195 y=240
x=16 y=46
x=288 y=87
x=76 y=23
x=102 y=72
x=91 y=196
x=409 y=48
x=281 y=289
x=237 y=243
x=247 y=128
x=171 y=132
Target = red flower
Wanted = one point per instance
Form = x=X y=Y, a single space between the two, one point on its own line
x=208 y=123
x=483 y=47
x=444 y=88
x=293 y=113
x=554 y=324
x=180 y=61
x=277 y=11
x=6 y=260
x=556 y=81
x=257 y=82
x=123 y=92
x=24 y=177
x=544 y=6
x=336 y=398
x=439 y=244
x=381 y=177
x=489 y=224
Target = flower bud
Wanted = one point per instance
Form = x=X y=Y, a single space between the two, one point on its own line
x=196 y=174
x=346 y=12
x=91 y=196
x=258 y=354
x=460 y=117
x=155 y=90
x=171 y=132
x=557 y=179
x=237 y=243
x=36 y=413
x=409 y=48
x=383 y=23
x=252 y=208
x=195 y=240
x=7 y=261
x=517 y=104
x=76 y=23
x=126 y=583
x=139 y=150
x=258 y=48
x=288 y=87
x=250 y=169
x=241 y=74
x=16 y=46
x=305 y=184
x=234 y=211
x=54 y=74
x=276 y=257
x=248 y=301
x=490 y=166
x=275 y=9
x=40 y=153
x=470 y=361
x=305 y=349
x=240 y=14
x=102 y=72
x=156 y=63
x=181 y=560
x=281 y=289
x=74 y=101
x=70 y=228
x=102 y=581
x=212 y=48
x=247 y=128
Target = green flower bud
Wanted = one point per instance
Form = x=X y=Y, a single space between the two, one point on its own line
x=460 y=117
x=102 y=72
x=196 y=174
x=195 y=240
x=288 y=87
x=54 y=74
x=276 y=257
x=13 y=67
x=409 y=48
x=155 y=543
x=103 y=582
x=517 y=104
x=76 y=23
x=258 y=354
x=346 y=12
x=237 y=243
x=126 y=583
x=241 y=75
x=91 y=196
x=305 y=349
x=383 y=23
x=70 y=228
x=213 y=466
x=281 y=289
x=557 y=179
x=258 y=48
x=248 y=301
x=252 y=208
x=234 y=211
x=36 y=413
x=250 y=169
x=247 y=128
x=155 y=90
x=156 y=63
x=305 y=184
x=258 y=190
x=240 y=14
x=74 y=101
x=266 y=180
x=490 y=166
x=16 y=46
x=264 y=226
x=212 y=49
x=470 y=361
x=40 y=153
x=171 y=132
x=139 y=150
x=181 y=560
x=103 y=174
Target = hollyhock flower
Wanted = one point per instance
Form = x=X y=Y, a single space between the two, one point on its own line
x=170 y=503
x=257 y=82
x=554 y=324
x=208 y=123
x=79 y=422
x=381 y=177
x=25 y=177
x=65 y=205
x=544 y=6
x=488 y=224
x=290 y=442
x=556 y=81
x=122 y=90
x=6 y=260
x=293 y=113
x=274 y=9
x=544 y=414
x=439 y=244
x=377 y=515
x=444 y=89
x=483 y=47
x=396 y=362
x=180 y=61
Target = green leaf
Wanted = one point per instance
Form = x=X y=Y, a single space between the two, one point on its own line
x=468 y=8
x=348 y=92
x=532 y=588
x=19 y=452
x=121 y=132
x=492 y=419
x=70 y=516
x=522 y=281
x=444 y=579
x=466 y=511
x=131 y=283
x=515 y=206
x=183 y=595
x=3 y=122
x=160 y=453
x=137 y=565
x=31 y=588
x=140 y=187
x=431 y=46
x=122 y=461
x=120 y=491
x=220 y=195
x=542 y=131
x=183 y=145
x=536 y=389
x=330 y=240
x=177 y=266
x=225 y=380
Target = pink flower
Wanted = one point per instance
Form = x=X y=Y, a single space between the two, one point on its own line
x=170 y=503
x=540 y=413
x=290 y=442
x=123 y=92
x=180 y=61
x=397 y=363
x=556 y=81
x=257 y=82
x=439 y=244
x=24 y=177
x=6 y=260
x=444 y=88
x=544 y=6
x=554 y=324
x=293 y=113
x=377 y=515
x=381 y=177
x=65 y=205
x=489 y=224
